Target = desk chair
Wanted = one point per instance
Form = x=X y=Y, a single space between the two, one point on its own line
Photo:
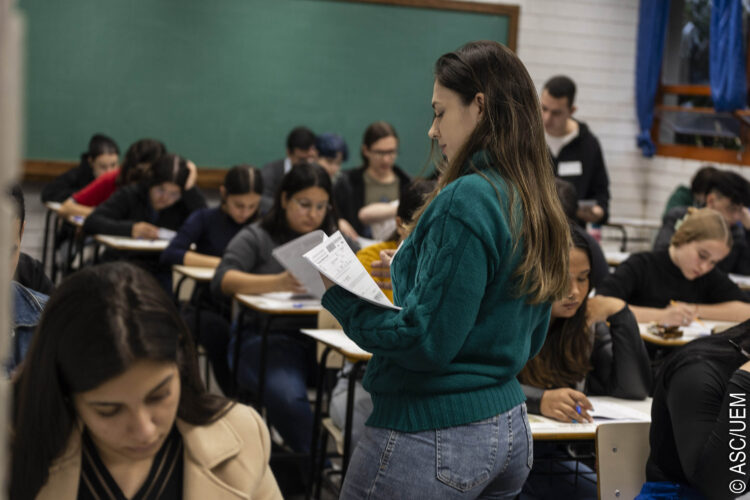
x=622 y=449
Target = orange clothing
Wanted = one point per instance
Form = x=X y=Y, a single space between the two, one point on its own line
x=370 y=254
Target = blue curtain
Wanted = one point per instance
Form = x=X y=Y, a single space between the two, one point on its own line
x=652 y=30
x=727 y=63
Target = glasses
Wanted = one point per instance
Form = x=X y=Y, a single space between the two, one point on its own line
x=307 y=205
x=382 y=153
x=168 y=195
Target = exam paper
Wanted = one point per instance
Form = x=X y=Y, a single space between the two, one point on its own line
x=607 y=410
x=337 y=262
x=290 y=256
x=165 y=234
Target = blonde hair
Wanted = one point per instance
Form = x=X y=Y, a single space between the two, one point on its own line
x=512 y=136
x=699 y=225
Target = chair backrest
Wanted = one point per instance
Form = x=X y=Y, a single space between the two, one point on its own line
x=622 y=449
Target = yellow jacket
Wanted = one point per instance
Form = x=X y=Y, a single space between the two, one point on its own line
x=227 y=459
x=370 y=254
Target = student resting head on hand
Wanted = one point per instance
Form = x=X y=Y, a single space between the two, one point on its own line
x=120 y=407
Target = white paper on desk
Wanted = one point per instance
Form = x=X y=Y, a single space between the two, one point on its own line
x=607 y=410
x=290 y=256
x=165 y=234
x=337 y=262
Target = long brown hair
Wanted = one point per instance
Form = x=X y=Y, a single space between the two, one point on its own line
x=510 y=132
x=99 y=322
x=699 y=225
x=564 y=359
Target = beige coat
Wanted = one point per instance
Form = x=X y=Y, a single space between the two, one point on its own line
x=227 y=459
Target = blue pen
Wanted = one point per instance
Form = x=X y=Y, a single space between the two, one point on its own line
x=578 y=410
x=300 y=306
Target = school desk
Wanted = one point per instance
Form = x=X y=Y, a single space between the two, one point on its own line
x=614 y=259
x=622 y=223
x=270 y=307
x=688 y=335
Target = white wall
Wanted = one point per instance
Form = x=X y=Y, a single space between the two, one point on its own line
x=594 y=42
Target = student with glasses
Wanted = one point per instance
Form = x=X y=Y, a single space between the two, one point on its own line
x=163 y=199
x=377 y=182
x=301 y=205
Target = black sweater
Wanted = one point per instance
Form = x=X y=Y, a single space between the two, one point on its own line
x=620 y=364
x=63 y=187
x=593 y=183
x=131 y=204
x=693 y=417
x=651 y=279
x=349 y=194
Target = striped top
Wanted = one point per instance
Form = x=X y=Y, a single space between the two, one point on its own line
x=164 y=480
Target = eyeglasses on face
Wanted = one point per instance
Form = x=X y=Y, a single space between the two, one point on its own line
x=307 y=205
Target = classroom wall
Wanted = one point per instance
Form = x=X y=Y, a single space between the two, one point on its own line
x=594 y=42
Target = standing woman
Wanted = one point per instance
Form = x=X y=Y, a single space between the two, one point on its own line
x=119 y=410
x=474 y=279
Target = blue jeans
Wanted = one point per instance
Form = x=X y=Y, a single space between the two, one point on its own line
x=290 y=361
x=486 y=459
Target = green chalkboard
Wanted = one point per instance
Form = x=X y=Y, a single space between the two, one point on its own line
x=223 y=81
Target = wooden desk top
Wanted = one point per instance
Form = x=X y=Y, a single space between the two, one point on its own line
x=688 y=335
x=280 y=303
x=53 y=205
x=131 y=244
x=742 y=281
x=200 y=274
x=546 y=429
x=614 y=259
x=338 y=341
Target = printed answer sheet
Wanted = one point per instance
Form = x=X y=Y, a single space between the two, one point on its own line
x=337 y=262
x=290 y=256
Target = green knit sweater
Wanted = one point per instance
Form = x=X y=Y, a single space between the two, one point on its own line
x=451 y=355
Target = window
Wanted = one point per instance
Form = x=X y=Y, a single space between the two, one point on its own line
x=685 y=122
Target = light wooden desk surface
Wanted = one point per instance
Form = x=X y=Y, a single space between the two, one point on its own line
x=742 y=281
x=53 y=205
x=614 y=259
x=200 y=274
x=131 y=244
x=624 y=221
x=547 y=429
x=280 y=303
x=338 y=341
x=688 y=335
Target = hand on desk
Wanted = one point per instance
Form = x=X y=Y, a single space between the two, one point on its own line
x=563 y=405
x=678 y=313
x=145 y=231
x=288 y=283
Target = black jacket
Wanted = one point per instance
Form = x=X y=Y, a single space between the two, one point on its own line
x=131 y=204
x=349 y=194
x=30 y=273
x=593 y=183
x=64 y=186
x=619 y=361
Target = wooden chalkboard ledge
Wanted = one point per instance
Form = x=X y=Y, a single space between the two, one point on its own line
x=45 y=170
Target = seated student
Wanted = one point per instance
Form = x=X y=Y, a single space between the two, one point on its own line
x=211 y=230
x=566 y=191
x=302 y=205
x=30 y=273
x=378 y=180
x=119 y=410
x=593 y=346
x=164 y=199
x=699 y=421
x=677 y=285
x=27 y=303
x=138 y=159
x=728 y=194
x=332 y=152
x=300 y=147
x=101 y=157
x=695 y=195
